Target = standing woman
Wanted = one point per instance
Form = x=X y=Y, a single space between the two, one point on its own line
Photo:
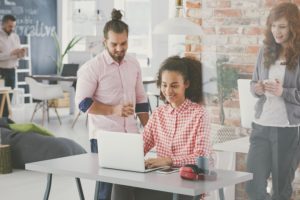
x=274 y=141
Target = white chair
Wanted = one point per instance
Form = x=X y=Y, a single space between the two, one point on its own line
x=76 y=118
x=43 y=93
x=247 y=102
x=67 y=86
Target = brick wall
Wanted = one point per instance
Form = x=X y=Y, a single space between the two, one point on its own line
x=233 y=31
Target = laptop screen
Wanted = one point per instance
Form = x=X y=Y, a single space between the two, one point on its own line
x=119 y=150
x=70 y=70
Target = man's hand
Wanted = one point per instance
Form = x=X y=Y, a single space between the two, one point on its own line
x=259 y=88
x=14 y=52
x=274 y=88
x=20 y=53
x=158 y=162
x=123 y=110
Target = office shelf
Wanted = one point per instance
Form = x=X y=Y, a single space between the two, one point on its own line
x=24 y=70
x=21 y=73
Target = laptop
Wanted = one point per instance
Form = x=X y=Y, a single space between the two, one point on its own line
x=123 y=151
x=70 y=70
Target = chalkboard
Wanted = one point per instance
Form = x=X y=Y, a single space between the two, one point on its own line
x=39 y=19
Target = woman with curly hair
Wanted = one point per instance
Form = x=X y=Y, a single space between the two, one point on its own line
x=179 y=130
x=274 y=141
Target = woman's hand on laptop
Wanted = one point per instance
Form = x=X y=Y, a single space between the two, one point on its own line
x=158 y=162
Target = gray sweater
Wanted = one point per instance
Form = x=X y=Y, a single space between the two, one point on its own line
x=291 y=90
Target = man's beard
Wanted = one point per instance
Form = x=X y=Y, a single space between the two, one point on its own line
x=117 y=58
x=7 y=32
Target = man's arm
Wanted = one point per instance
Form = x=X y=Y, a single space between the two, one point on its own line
x=8 y=56
x=99 y=108
x=13 y=55
x=17 y=53
x=144 y=117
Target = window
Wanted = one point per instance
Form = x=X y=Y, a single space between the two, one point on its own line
x=86 y=20
x=138 y=17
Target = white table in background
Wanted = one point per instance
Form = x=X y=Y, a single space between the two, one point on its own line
x=240 y=145
x=86 y=166
x=228 y=150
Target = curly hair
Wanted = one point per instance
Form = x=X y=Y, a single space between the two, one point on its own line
x=271 y=49
x=190 y=69
x=115 y=24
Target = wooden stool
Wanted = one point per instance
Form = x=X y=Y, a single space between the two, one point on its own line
x=5 y=98
x=5 y=159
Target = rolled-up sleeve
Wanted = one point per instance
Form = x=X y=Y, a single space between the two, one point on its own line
x=87 y=83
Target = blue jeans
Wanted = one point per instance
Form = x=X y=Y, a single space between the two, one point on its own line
x=104 y=188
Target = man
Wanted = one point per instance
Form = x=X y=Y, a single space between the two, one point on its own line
x=10 y=53
x=109 y=86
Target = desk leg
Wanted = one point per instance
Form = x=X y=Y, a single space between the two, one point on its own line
x=196 y=197
x=96 y=196
x=2 y=104
x=221 y=194
x=175 y=196
x=78 y=183
x=48 y=187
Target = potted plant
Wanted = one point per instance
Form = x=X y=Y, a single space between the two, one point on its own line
x=61 y=54
x=226 y=84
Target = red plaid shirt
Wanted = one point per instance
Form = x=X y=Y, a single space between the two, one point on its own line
x=180 y=133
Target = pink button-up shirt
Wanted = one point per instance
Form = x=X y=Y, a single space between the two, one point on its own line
x=109 y=82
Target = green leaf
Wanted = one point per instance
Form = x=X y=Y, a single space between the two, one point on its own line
x=60 y=56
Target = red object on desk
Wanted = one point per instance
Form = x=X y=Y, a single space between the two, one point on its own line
x=190 y=173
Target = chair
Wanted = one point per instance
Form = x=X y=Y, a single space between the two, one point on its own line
x=69 y=86
x=76 y=118
x=43 y=93
x=247 y=102
x=156 y=95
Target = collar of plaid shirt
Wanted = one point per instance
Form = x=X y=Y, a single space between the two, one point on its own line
x=181 y=108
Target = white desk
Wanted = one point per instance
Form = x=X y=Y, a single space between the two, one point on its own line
x=86 y=166
x=228 y=151
x=240 y=145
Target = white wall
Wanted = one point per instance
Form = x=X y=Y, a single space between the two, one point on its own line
x=159 y=13
x=62 y=12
